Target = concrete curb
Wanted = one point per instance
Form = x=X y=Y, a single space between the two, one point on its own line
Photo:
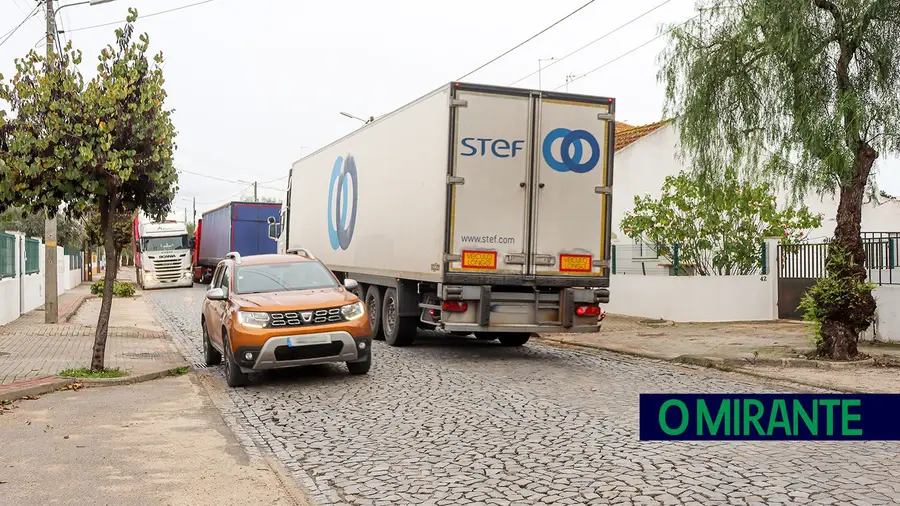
x=40 y=386
x=128 y=380
x=720 y=363
x=64 y=318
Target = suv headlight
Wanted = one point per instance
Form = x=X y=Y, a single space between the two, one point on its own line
x=353 y=311
x=253 y=319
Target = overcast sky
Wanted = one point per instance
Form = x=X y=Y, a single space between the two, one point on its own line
x=257 y=84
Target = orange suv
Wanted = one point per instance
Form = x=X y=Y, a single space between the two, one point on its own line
x=274 y=311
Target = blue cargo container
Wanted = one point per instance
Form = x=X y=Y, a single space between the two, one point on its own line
x=236 y=226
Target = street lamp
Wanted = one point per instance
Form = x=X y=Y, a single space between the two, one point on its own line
x=347 y=114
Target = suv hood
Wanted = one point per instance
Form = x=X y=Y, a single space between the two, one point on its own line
x=295 y=300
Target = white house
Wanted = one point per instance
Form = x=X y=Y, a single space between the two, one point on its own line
x=640 y=286
x=646 y=154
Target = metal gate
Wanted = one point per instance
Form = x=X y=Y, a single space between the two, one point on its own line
x=799 y=266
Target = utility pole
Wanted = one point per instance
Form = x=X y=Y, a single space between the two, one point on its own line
x=540 y=68
x=51 y=299
x=254 y=192
x=195 y=211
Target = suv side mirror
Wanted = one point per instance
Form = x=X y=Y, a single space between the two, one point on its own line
x=351 y=284
x=216 y=294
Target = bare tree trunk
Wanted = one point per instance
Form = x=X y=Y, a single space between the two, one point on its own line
x=840 y=333
x=107 y=207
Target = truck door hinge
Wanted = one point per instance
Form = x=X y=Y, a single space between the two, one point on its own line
x=605 y=190
x=450 y=257
x=544 y=260
x=456 y=102
x=456 y=180
x=600 y=263
x=605 y=116
x=514 y=259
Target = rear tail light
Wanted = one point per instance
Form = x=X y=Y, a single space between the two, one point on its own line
x=588 y=311
x=455 y=307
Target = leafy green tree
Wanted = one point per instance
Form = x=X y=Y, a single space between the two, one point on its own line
x=719 y=226
x=122 y=224
x=106 y=145
x=805 y=92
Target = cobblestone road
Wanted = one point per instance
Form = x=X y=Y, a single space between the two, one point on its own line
x=460 y=422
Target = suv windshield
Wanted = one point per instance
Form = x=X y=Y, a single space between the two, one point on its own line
x=164 y=243
x=282 y=277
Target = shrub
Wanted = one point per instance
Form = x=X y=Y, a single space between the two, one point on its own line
x=836 y=298
x=120 y=288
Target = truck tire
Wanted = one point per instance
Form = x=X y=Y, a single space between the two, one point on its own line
x=398 y=331
x=374 y=305
x=513 y=338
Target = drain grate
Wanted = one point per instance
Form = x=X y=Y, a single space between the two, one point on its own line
x=199 y=365
x=143 y=355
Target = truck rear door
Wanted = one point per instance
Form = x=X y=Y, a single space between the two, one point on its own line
x=488 y=199
x=573 y=176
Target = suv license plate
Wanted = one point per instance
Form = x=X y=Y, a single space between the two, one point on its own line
x=307 y=340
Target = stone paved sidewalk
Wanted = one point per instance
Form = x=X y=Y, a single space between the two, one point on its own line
x=31 y=350
x=769 y=349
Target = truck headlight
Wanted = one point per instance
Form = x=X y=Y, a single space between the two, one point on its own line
x=253 y=319
x=353 y=311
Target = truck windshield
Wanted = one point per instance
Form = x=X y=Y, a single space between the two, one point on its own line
x=282 y=277
x=164 y=243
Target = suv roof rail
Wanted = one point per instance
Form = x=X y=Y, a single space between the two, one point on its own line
x=234 y=255
x=301 y=251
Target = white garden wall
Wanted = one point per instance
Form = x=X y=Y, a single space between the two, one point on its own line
x=693 y=298
x=25 y=292
x=887 y=323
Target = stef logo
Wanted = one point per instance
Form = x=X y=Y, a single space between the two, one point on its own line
x=571 y=150
x=341 y=206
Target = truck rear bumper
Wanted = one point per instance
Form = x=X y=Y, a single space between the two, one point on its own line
x=531 y=329
x=480 y=309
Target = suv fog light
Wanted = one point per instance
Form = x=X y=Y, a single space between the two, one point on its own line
x=361 y=345
x=248 y=356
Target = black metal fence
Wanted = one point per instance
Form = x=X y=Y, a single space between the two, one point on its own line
x=807 y=261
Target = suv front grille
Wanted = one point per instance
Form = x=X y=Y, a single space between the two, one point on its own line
x=310 y=317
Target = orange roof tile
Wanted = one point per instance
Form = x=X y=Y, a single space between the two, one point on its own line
x=628 y=134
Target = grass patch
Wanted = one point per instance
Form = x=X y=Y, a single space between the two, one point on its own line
x=179 y=371
x=84 y=372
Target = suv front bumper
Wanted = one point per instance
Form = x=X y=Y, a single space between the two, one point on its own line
x=276 y=354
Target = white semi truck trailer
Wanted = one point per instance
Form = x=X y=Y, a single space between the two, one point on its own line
x=474 y=209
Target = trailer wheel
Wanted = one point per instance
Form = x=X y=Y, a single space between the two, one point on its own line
x=398 y=330
x=374 y=306
x=514 y=338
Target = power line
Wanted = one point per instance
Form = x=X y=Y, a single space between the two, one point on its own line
x=8 y=35
x=623 y=55
x=112 y=23
x=582 y=48
x=529 y=39
x=230 y=180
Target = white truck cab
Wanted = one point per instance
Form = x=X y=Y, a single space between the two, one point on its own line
x=163 y=256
